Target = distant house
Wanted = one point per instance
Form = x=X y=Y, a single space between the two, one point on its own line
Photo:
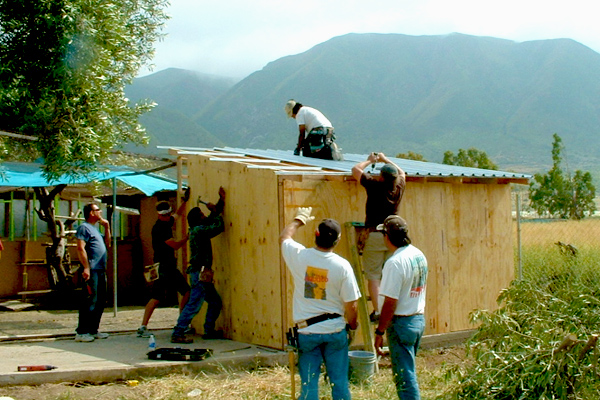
x=460 y=218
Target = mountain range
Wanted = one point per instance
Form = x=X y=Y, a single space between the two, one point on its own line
x=397 y=93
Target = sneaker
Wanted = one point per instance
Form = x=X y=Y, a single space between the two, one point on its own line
x=84 y=337
x=101 y=335
x=181 y=339
x=213 y=335
x=374 y=317
x=143 y=332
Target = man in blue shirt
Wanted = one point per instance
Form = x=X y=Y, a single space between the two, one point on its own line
x=91 y=248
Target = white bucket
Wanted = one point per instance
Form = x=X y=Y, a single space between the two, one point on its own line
x=362 y=365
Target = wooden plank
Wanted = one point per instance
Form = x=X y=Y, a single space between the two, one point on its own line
x=247 y=253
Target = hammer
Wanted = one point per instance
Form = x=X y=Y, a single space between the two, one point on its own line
x=201 y=201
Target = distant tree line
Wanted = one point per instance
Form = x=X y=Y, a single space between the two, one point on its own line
x=556 y=193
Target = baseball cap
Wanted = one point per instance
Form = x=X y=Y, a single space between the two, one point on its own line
x=329 y=231
x=389 y=170
x=289 y=108
x=393 y=226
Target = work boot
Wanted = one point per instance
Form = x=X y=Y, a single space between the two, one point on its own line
x=181 y=339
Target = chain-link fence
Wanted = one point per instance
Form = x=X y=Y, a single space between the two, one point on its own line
x=546 y=247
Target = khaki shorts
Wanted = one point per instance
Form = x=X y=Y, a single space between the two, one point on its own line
x=374 y=256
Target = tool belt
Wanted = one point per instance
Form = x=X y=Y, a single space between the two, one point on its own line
x=315 y=320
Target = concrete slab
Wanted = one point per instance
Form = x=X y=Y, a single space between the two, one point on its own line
x=121 y=356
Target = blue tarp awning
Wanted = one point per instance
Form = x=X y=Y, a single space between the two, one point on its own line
x=17 y=175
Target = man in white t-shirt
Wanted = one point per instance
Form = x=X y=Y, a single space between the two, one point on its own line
x=325 y=291
x=316 y=136
x=402 y=302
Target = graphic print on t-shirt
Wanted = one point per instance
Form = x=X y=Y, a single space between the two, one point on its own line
x=315 y=283
x=419 y=266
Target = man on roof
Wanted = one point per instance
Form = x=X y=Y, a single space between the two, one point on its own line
x=315 y=132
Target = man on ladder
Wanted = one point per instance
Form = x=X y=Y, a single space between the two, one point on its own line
x=384 y=193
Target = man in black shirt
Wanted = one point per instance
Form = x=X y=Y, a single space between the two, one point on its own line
x=169 y=277
x=384 y=193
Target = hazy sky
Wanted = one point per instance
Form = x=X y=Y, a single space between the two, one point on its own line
x=235 y=38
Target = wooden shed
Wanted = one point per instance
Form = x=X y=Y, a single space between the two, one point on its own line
x=459 y=217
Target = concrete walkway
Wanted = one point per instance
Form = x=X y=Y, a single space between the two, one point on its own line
x=122 y=356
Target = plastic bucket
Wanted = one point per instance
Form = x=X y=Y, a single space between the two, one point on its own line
x=362 y=365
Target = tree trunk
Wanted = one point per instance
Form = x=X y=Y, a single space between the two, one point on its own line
x=58 y=259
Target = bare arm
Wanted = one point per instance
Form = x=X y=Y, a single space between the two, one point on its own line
x=387 y=313
x=301 y=135
x=351 y=313
x=359 y=168
x=181 y=209
x=290 y=230
x=83 y=258
x=177 y=244
x=107 y=234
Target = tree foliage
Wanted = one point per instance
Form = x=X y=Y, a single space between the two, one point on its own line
x=556 y=193
x=64 y=65
x=411 y=156
x=540 y=344
x=472 y=157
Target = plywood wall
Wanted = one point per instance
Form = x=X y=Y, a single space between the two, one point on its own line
x=463 y=229
x=246 y=255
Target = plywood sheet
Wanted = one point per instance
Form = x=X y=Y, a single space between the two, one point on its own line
x=246 y=255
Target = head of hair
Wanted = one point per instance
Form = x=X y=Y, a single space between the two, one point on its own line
x=328 y=234
x=389 y=173
x=195 y=217
x=297 y=108
x=87 y=210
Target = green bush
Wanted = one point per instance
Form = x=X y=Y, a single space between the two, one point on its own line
x=541 y=342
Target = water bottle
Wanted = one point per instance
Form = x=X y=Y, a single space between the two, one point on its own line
x=151 y=343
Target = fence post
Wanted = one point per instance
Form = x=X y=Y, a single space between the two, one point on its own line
x=519 y=263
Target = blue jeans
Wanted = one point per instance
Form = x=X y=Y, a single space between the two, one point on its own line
x=404 y=335
x=92 y=302
x=332 y=348
x=201 y=292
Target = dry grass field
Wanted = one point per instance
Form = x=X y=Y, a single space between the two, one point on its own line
x=584 y=234
x=263 y=384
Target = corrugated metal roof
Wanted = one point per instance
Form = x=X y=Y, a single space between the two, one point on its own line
x=415 y=169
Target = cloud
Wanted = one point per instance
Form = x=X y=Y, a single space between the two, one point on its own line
x=236 y=38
